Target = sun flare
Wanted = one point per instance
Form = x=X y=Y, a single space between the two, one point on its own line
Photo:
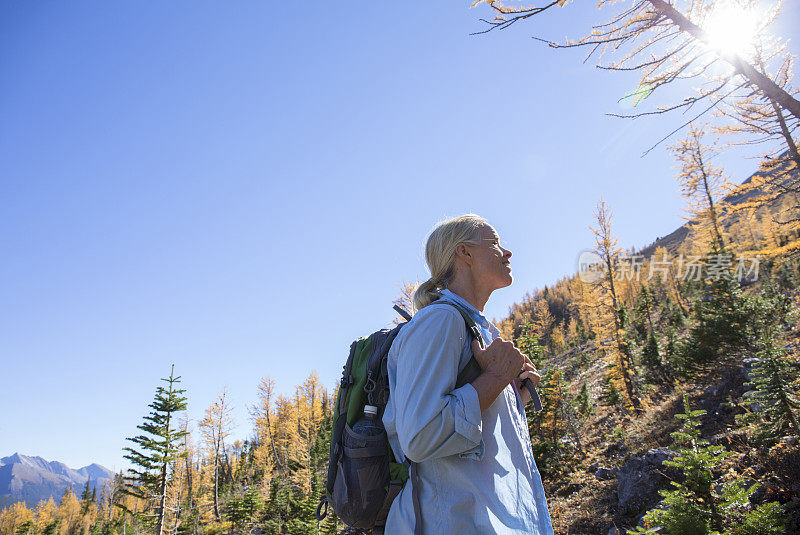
x=732 y=29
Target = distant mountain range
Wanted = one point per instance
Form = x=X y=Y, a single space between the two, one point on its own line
x=32 y=479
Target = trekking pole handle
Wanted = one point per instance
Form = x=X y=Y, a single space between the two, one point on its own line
x=537 y=402
x=403 y=312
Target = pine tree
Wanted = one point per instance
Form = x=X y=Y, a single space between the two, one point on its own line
x=528 y=344
x=16 y=519
x=52 y=528
x=553 y=394
x=26 y=528
x=557 y=339
x=86 y=497
x=572 y=332
x=330 y=525
x=702 y=184
x=609 y=395
x=774 y=404
x=69 y=509
x=721 y=319
x=46 y=512
x=763 y=121
x=583 y=400
x=643 y=314
x=242 y=511
x=650 y=353
x=695 y=505
x=267 y=460
x=157 y=450
x=542 y=321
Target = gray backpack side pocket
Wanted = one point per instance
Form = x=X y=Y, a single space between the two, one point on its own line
x=362 y=478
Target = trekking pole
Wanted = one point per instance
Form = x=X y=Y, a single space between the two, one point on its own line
x=402 y=311
x=537 y=402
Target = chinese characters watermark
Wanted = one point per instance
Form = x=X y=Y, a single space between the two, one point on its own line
x=592 y=267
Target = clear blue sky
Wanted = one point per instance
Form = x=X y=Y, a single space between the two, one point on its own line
x=239 y=188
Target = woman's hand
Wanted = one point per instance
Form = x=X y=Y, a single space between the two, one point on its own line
x=529 y=371
x=501 y=363
x=501 y=359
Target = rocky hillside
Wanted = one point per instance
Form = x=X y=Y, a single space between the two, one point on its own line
x=617 y=482
x=603 y=461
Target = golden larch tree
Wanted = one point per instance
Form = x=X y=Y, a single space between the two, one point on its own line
x=702 y=184
x=608 y=322
x=215 y=427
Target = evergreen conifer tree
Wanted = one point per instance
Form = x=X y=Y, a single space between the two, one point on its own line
x=88 y=496
x=529 y=344
x=609 y=395
x=696 y=506
x=330 y=525
x=242 y=511
x=720 y=322
x=157 y=449
x=676 y=318
x=650 y=354
x=52 y=528
x=651 y=359
x=774 y=403
x=583 y=400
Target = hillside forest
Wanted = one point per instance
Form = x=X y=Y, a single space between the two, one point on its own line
x=690 y=355
x=669 y=373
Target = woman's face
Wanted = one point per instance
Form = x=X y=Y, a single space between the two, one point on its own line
x=491 y=262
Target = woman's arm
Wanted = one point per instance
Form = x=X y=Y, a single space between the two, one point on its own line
x=433 y=418
x=501 y=363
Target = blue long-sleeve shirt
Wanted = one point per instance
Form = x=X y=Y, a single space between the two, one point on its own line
x=476 y=471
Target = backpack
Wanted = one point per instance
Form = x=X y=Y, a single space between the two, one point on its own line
x=363 y=476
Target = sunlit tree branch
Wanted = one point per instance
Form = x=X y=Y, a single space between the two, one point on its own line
x=648 y=22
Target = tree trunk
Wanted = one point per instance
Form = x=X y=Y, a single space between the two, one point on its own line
x=178 y=511
x=712 y=210
x=787 y=135
x=272 y=443
x=626 y=366
x=769 y=88
x=163 y=483
x=216 y=482
x=189 y=476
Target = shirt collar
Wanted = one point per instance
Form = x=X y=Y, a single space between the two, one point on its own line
x=474 y=312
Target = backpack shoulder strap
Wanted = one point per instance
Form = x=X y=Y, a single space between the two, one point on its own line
x=472 y=369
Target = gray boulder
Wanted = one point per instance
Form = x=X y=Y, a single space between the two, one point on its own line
x=748 y=365
x=657 y=456
x=659 y=506
x=640 y=479
x=604 y=474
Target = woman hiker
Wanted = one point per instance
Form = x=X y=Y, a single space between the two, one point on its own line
x=469 y=446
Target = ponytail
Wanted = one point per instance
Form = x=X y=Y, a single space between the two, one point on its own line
x=440 y=254
x=425 y=294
